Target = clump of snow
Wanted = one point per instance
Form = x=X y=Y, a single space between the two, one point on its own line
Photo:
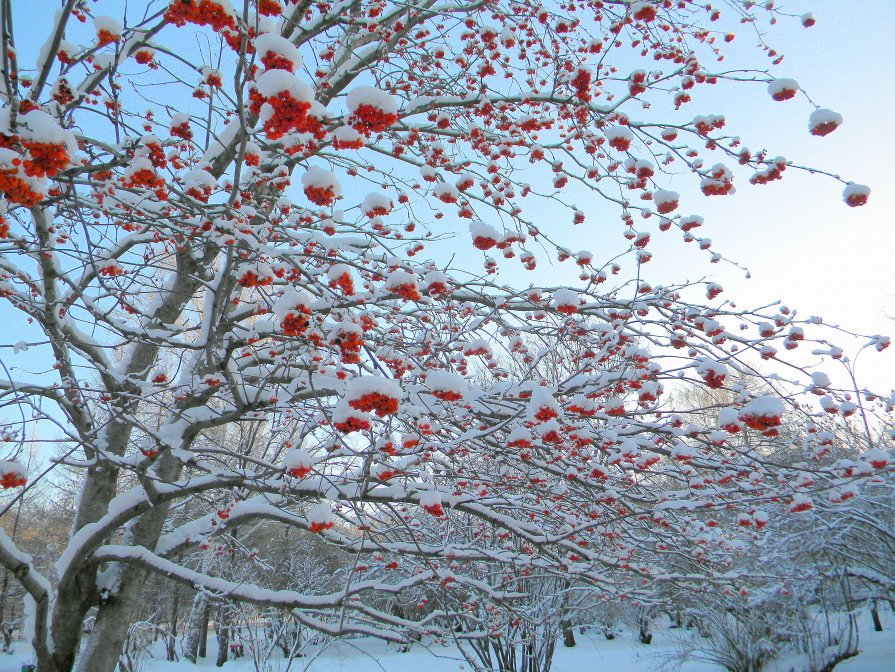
x=820 y=379
x=877 y=458
x=446 y=384
x=39 y=126
x=298 y=462
x=347 y=136
x=484 y=236
x=666 y=200
x=374 y=393
x=291 y=299
x=782 y=89
x=446 y=192
x=369 y=95
x=566 y=300
x=320 y=517
x=823 y=122
x=542 y=405
x=274 y=82
x=728 y=420
x=107 y=24
x=761 y=406
x=12 y=474
x=376 y=204
x=317 y=177
x=855 y=195
x=279 y=45
x=619 y=137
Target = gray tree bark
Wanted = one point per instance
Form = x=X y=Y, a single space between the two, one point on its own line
x=194 y=629
x=203 y=632
x=222 y=626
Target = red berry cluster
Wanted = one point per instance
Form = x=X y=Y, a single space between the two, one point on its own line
x=438 y=288
x=46 y=160
x=381 y=404
x=144 y=178
x=104 y=37
x=12 y=480
x=349 y=344
x=645 y=13
x=584 y=411
x=769 y=174
x=182 y=131
x=317 y=528
x=620 y=143
x=274 y=61
x=62 y=92
x=761 y=423
x=666 y=206
x=407 y=290
x=353 y=144
x=111 y=270
x=637 y=83
x=714 y=187
x=144 y=57
x=299 y=472
x=447 y=395
x=251 y=279
x=288 y=115
x=296 y=321
x=343 y=282
x=156 y=155
x=16 y=190
x=269 y=7
x=322 y=196
x=367 y=119
x=545 y=413
x=199 y=194
x=784 y=94
x=581 y=84
x=202 y=13
x=352 y=424
x=713 y=379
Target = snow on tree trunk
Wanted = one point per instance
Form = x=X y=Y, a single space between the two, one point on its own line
x=223 y=627
x=194 y=627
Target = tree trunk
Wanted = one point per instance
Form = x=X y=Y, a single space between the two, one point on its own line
x=646 y=637
x=194 y=629
x=113 y=620
x=126 y=583
x=170 y=645
x=203 y=633
x=222 y=622
x=568 y=633
x=874 y=614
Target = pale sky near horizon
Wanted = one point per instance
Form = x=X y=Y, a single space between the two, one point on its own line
x=801 y=243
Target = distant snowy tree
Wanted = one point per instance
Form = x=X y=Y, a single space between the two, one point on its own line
x=268 y=259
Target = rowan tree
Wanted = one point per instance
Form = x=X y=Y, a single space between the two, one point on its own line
x=279 y=233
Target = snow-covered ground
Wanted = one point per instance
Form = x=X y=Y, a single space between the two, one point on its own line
x=593 y=652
